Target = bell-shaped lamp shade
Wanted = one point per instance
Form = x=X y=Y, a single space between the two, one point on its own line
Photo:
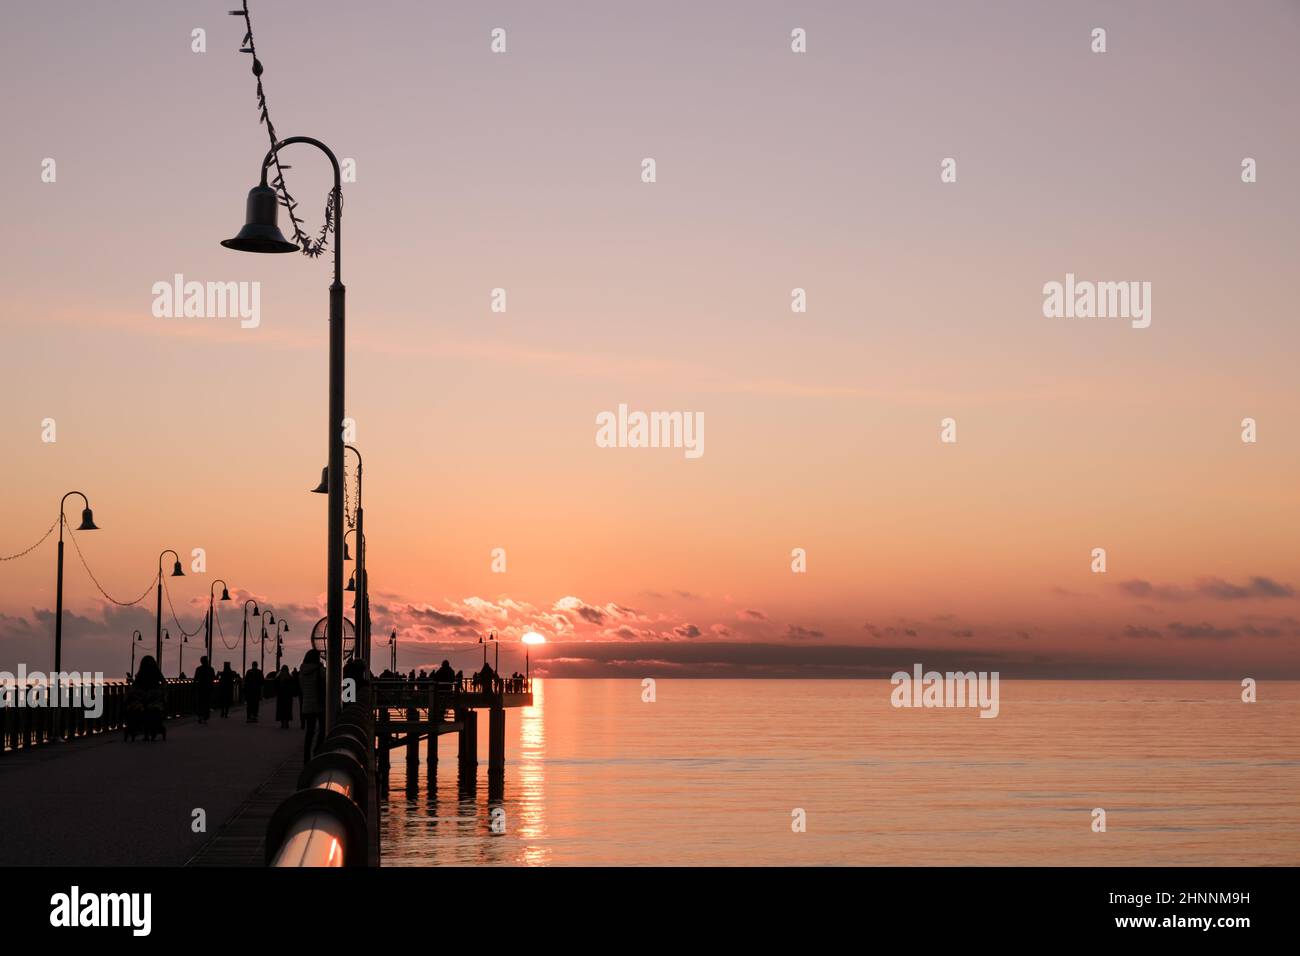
x=286 y=626
x=352 y=583
x=87 y=521
x=257 y=611
x=261 y=232
x=225 y=594
x=270 y=619
x=347 y=555
x=324 y=487
x=176 y=570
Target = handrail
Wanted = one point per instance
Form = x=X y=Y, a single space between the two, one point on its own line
x=26 y=727
x=323 y=824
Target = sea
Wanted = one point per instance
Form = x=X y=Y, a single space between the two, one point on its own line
x=829 y=772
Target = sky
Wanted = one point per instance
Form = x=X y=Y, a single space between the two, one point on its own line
x=774 y=170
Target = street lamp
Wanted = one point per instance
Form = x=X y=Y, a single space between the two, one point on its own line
x=166 y=637
x=225 y=596
x=362 y=588
x=279 y=641
x=392 y=653
x=180 y=664
x=267 y=618
x=137 y=638
x=176 y=573
x=262 y=234
x=243 y=665
x=87 y=524
x=529 y=639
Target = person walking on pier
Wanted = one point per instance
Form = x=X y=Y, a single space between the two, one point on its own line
x=312 y=676
x=284 y=697
x=225 y=689
x=148 y=697
x=253 y=693
x=203 y=677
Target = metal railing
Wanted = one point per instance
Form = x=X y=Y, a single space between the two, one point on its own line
x=25 y=726
x=323 y=824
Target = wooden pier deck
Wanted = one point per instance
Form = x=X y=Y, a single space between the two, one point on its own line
x=99 y=801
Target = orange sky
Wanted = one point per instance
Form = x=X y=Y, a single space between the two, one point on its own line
x=776 y=171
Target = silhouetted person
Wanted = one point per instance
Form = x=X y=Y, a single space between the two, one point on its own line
x=253 y=693
x=225 y=689
x=146 y=696
x=485 y=677
x=203 y=678
x=445 y=677
x=355 y=670
x=312 y=676
x=284 y=697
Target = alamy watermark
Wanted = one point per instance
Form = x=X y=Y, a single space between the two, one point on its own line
x=1084 y=299
x=951 y=689
x=179 y=299
x=67 y=689
x=624 y=429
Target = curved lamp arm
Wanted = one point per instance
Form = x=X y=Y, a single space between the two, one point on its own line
x=338 y=191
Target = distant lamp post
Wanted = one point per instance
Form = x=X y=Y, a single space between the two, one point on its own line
x=529 y=639
x=180 y=664
x=267 y=618
x=261 y=233
x=243 y=666
x=87 y=524
x=225 y=596
x=362 y=582
x=166 y=637
x=176 y=573
x=392 y=652
x=279 y=641
x=136 y=638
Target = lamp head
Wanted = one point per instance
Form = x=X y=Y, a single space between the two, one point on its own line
x=261 y=232
x=87 y=521
x=324 y=487
x=352 y=582
x=347 y=555
x=225 y=594
x=176 y=570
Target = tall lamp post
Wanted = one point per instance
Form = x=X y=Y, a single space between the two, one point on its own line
x=392 y=653
x=243 y=665
x=176 y=573
x=136 y=638
x=261 y=233
x=87 y=524
x=225 y=596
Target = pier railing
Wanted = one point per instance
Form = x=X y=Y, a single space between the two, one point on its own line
x=325 y=822
x=26 y=721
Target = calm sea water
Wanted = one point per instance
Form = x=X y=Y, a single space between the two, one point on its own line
x=711 y=771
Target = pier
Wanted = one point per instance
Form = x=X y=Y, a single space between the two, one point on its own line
x=232 y=793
